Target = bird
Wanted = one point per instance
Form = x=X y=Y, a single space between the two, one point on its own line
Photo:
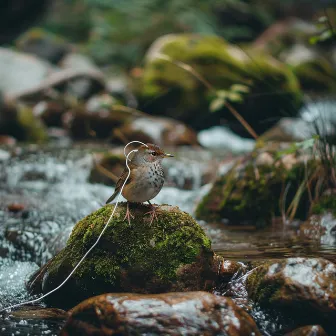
x=146 y=178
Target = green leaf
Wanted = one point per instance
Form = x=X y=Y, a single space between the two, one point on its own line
x=240 y=88
x=217 y=104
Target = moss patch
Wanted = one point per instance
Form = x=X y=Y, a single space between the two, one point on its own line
x=252 y=192
x=142 y=257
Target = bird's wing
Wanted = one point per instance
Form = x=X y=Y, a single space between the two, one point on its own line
x=120 y=182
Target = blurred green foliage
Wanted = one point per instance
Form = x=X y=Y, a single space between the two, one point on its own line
x=120 y=32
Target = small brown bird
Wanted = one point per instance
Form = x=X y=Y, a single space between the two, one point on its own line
x=146 y=178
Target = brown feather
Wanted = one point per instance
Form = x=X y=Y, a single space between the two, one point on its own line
x=120 y=182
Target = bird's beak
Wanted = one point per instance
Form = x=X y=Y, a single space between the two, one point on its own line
x=168 y=155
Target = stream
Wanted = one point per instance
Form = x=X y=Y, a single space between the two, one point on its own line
x=44 y=191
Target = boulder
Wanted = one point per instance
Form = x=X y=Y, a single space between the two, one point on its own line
x=303 y=288
x=43 y=44
x=166 y=88
x=250 y=192
x=193 y=313
x=170 y=254
x=310 y=330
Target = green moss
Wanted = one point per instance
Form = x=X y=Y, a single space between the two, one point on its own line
x=176 y=92
x=153 y=252
x=326 y=203
x=32 y=128
x=260 y=290
x=252 y=193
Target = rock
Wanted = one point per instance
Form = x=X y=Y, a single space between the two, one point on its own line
x=87 y=85
x=16 y=207
x=159 y=130
x=181 y=95
x=21 y=72
x=171 y=254
x=311 y=330
x=43 y=44
x=320 y=228
x=250 y=191
x=107 y=167
x=19 y=121
x=303 y=287
x=50 y=112
x=193 y=313
x=85 y=124
x=7 y=140
x=219 y=137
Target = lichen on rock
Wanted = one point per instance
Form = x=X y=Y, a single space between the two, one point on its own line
x=170 y=254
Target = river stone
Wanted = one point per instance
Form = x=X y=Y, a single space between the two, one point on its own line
x=170 y=254
x=311 y=330
x=296 y=285
x=193 y=313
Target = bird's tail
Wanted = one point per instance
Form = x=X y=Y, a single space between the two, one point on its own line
x=112 y=197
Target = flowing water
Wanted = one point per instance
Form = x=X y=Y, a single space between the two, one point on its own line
x=51 y=187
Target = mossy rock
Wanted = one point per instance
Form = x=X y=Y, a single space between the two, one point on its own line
x=300 y=288
x=170 y=254
x=168 y=89
x=43 y=44
x=251 y=192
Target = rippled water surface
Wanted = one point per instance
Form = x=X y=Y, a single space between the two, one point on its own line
x=52 y=188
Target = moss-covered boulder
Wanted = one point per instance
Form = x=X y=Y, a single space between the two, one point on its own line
x=170 y=254
x=166 y=88
x=302 y=288
x=252 y=192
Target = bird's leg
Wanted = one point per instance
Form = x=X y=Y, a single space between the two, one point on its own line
x=128 y=214
x=153 y=212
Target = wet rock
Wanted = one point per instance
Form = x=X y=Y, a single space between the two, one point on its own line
x=85 y=124
x=7 y=140
x=43 y=44
x=249 y=192
x=161 y=131
x=16 y=207
x=311 y=330
x=302 y=287
x=193 y=313
x=180 y=95
x=107 y=167
x=87 y=84
x=171 y=254
x=21 y=72
x=320 y=228
x=50 y=112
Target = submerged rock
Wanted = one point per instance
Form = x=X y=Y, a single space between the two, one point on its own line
x=311 y=330
x=193 y=313
x=303 y=288
x=171 y=254
x=168 y=89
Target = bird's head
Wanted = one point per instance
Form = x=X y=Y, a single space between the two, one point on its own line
x=149 y=153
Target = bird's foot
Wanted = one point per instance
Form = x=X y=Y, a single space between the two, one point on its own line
x=153 y=213
x=128 y=215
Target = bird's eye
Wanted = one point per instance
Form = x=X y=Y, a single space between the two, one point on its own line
x=153 y=153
